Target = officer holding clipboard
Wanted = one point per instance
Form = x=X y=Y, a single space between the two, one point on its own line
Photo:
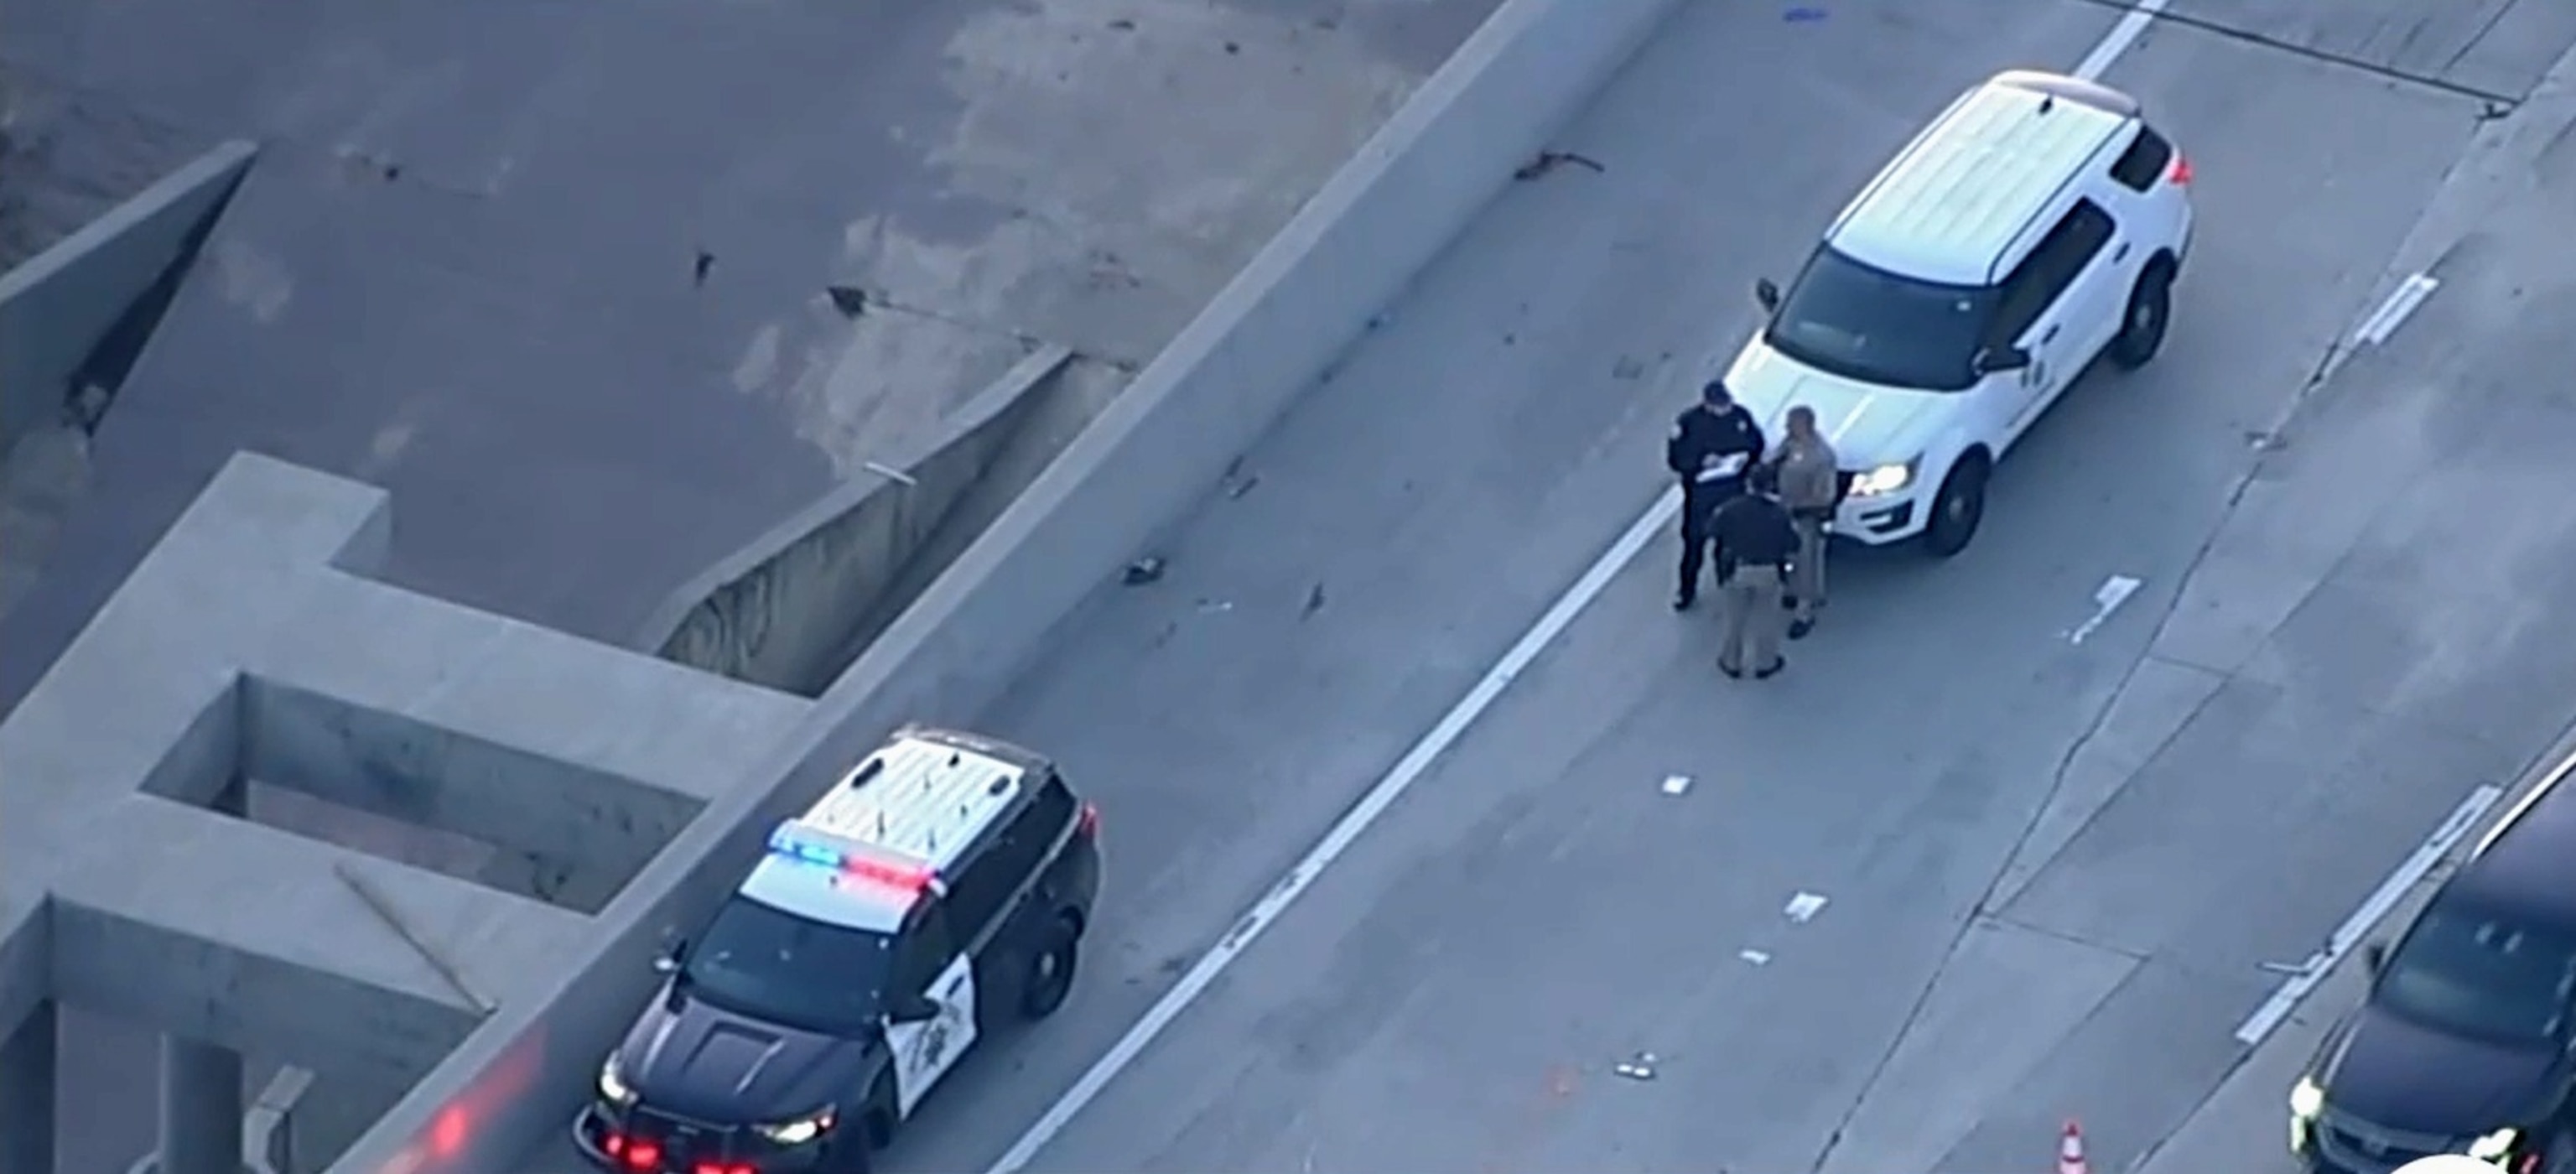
x=1714 y=445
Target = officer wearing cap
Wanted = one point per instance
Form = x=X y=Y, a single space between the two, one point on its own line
x=1714 y=444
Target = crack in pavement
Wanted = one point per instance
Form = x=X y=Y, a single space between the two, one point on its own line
x=2494 y=105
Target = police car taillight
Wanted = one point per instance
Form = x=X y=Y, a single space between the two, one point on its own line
x=1089 y=825
x=2180 y=175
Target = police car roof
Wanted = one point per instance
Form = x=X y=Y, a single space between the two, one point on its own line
x=1963 y=200
x=861 y=856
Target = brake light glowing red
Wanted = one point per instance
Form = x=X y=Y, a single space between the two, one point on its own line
x=721 y=1168
x=1090 y=823
x=614 y=1144
x=2180 y=176
x=642 y=1155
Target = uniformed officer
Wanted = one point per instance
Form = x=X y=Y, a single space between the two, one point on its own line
x=1714 y=444
x=1810 y=487
x=1755 y=543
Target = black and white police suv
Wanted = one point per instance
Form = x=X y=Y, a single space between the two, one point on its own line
x=945 y=881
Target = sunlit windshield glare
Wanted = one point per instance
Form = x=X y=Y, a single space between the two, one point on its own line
x=1848 y=319
x=770 y=964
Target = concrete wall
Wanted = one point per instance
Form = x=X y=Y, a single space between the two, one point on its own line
x=56 y=307
x=784 y=610
x=1157 y=450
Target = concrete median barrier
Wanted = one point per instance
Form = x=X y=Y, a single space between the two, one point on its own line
x=1152 y=454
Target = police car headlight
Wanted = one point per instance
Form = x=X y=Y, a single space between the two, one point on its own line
x=2495 y=1147
x=612 y=1086
x=1885 y=479
x=799 y=1131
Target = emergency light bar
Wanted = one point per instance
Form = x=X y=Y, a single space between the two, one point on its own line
x=807 y=845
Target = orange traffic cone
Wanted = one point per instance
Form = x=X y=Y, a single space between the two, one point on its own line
x=2070 y=1151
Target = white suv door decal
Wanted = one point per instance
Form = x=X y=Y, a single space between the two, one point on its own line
x=923 y=1052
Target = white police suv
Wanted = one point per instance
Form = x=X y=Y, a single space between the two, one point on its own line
x=944 y=881
x=2036 y=225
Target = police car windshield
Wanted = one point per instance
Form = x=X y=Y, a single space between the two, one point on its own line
x=1848 y=319
x=2483 y=973
x=772 y=965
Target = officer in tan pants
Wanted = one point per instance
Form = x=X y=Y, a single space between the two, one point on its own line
x=1755 y=544
x=1810 y=487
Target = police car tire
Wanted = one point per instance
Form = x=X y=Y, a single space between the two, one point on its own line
x=1050 y=975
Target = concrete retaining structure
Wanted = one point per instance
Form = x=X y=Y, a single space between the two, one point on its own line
x=1153 y=454
x=249 y=649
x=57 y=307
x=786 y=609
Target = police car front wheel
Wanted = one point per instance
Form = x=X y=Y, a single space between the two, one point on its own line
x=1050 y=974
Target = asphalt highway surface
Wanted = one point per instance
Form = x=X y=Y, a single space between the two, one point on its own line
x=2057 y=875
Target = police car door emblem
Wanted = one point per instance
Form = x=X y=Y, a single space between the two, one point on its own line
x=933 y=1045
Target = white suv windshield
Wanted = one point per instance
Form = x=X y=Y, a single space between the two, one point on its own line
x=1848 y=319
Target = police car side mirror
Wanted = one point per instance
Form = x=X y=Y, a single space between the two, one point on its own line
x=1766 y=293
x=2374 y=957
x=912 y=1009
x=1997 y=360
x=667 y=962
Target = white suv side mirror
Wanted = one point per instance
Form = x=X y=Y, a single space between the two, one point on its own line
x=1766 y=293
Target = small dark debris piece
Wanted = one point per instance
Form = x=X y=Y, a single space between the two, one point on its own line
x=1232 y=48
x=1142 y=571
x=706 y=261
x=1511 y=340
x=1314 y=601
x=1238 y=488
x=1124 y=25
x=850 y=300
x=1548 y=161
x=1803 y=15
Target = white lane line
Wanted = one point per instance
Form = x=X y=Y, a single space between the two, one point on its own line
x=1398 y=780
x=2375 y=908
x=2401 y=304
x=1412 y=765
x=2118 y=40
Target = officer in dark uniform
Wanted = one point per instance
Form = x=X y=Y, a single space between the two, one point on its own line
x=1714 y=445
x=1756 y=542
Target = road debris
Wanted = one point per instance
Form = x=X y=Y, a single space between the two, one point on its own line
x=1548 y=161
x=1215 y=605
x=1314 y=603
x=1804 y=907
x=1803 y=15
x=1756 y=957
x=1641 y=1067
x=1145 y=570
x=1677 y=784
x=850 y=300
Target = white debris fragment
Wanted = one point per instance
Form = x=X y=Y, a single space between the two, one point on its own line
x=1642 y=1067
x=1804 y=907
x=1676 y=784
x=2107 y=598
x=1756 y=957
x=1215 y=605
